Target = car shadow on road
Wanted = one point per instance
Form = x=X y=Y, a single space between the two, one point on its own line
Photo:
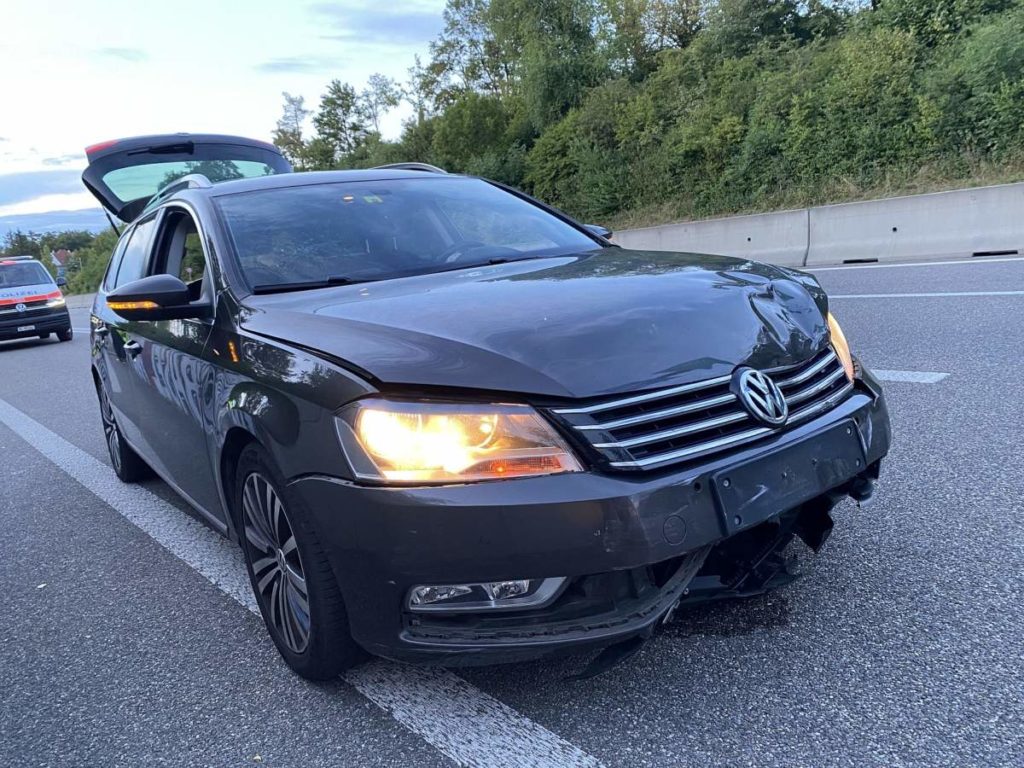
x=6 y=346
x=723 y=619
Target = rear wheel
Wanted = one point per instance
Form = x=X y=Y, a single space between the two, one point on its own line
x=294 y=585
x=66 y=335
x=128 y=465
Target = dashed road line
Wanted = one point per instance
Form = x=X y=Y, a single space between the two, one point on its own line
x=465 y=724
x=913 y=377
x=937 y=295
x=862 y=267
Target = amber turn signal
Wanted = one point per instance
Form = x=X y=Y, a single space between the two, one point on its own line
x=841 y=346
x=118 y=306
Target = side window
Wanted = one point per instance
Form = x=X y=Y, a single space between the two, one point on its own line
x=180 y=252
x=136 y=253
x=115 y=263
x=193 y=263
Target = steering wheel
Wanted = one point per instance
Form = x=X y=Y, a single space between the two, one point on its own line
x=454 y=253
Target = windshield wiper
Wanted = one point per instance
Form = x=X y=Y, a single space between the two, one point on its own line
x=307 y=286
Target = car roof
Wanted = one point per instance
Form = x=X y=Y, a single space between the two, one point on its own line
x=283 y=180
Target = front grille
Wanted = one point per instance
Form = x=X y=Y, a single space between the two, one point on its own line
x=679 y=424
x=32 y=309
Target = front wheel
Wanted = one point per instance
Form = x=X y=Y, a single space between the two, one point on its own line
x=66 y=335
x=294 y=585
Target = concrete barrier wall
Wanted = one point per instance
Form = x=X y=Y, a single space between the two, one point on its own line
x=779 y=238
x=943 y=225
x=953 y=224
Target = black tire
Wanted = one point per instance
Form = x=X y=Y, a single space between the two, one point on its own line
x=66 y=335
x=128 y=465
x=283 y=556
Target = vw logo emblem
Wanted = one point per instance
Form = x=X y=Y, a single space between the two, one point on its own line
x=20 y=307
x=761 y=397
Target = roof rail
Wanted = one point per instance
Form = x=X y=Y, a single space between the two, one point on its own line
x=18 y=258
x=425 y=167
x=191 y=181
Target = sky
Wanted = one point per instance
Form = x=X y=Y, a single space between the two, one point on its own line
x=76 y=73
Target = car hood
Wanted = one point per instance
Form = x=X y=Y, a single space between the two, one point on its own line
x=577 y=326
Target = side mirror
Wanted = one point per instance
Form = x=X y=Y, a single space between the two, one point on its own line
x=62 y=282
x=597 y=229
x=157 y=297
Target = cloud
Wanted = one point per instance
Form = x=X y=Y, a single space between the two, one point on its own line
x=67 y=201
x=378 y=25
x=91 y=219
x=19 y=188
x=300 y=64
x=62 y=160
x=132 y=55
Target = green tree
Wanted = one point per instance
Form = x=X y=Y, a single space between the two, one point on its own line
x=555 y=51
x=935 y=20
x=288 y=135
x=18 y=243
x=467 y=56
x=340 y=121
x=381 y=95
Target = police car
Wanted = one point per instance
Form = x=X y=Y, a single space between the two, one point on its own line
x=31 y=304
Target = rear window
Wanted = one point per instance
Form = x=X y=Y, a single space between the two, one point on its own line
x=143 y=181
x=375 y=230
x=20 y=274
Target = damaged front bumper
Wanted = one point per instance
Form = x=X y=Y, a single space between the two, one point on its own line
x=632 y=548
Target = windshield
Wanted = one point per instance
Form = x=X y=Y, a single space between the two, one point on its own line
x=20 y=274
x=375 y=230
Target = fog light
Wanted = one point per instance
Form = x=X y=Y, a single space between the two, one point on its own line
x=485 y=596
x=503 y=590
x=427 y=595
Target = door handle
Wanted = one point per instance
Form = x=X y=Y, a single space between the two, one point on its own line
x=132 y=348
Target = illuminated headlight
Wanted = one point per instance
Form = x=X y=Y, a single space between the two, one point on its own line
x=57 y=302
x=841 y=346
x=424 y=442
x=485 y=596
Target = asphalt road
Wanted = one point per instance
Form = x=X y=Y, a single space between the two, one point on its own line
x=125 y=639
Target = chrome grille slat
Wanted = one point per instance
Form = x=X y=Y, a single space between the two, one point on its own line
x=811 y=391
x=647 y=397
x=700 y=426
x=809 y=373
x=696 y=450
x=677 y=432
x=645 y=418
x=744 y=437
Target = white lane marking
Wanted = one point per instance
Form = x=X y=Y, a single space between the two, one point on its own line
x=80 y=330
x=861 y=267
x=206 y=551
x=914 y=377
x=940 y=295
x=501 y=736
x=459 y=720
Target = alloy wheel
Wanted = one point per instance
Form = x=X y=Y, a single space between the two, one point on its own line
x=276 y=564
x=110 y=431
